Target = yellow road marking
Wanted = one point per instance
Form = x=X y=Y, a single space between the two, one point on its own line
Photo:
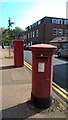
x=60 y=92
x=27 y=65
x=60 y=88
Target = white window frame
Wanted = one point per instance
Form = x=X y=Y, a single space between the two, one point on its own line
x=33 y=34
x=28 y=35
x=31 y=43
x=66 y=32
x=60 y=31
x=37 y=33
x=65 y=22
x=60 y=21
x=56 y=31
x=39 y=22
x=54 y=21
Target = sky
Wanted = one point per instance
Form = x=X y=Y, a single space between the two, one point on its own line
x=26 y=12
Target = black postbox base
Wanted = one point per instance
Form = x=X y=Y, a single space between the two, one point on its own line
x=42 y=103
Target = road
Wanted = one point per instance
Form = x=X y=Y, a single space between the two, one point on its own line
x=60 y=72
x=60 y=68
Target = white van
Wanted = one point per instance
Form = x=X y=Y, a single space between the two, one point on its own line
x=63 y=51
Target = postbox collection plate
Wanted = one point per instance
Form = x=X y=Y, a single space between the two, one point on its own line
x=41 y=67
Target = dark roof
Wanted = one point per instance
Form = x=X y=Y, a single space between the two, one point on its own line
x=59 y=39
x=42 y=19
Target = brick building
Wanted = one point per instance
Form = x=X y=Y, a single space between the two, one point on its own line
x=45 y=29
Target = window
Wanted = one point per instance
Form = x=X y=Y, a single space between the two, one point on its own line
x=27 y=28
x=28 y=35
x=54 y=21
x=35 y=24
x=57 y=31
x=33 y=33
x=57 y=21
x=36 y=33
x=66 y=32
x=30 y=27
x=65 y=22
x=39 y=22
x=60 y=21
x=54 y=31
x=25 y=37
x=31 y=43
x=60 y=32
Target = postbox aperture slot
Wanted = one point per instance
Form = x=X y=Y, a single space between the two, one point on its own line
x=42 y=58
x=39 y=57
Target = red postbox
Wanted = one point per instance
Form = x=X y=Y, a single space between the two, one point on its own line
x=42 y=71
x=18 y=53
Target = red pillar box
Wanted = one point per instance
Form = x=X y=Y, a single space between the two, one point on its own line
x=18 y=53
x=42 y=71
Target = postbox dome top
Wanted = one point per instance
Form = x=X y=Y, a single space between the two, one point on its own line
x=18 y=40
x=43 y=46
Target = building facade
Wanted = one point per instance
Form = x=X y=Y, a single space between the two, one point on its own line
x=45 y=29
x=19 y=35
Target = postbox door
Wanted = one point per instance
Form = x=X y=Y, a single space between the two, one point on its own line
x=42 y=77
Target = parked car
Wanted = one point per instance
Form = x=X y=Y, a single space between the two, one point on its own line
x=27 y=47
x=63 y=51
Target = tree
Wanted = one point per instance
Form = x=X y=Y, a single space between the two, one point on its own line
x=18 y=32
x=2 y=31
x=7 y=35
x=18 y=29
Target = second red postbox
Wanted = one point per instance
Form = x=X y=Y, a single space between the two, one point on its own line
x=18 y=53
x=42 y=71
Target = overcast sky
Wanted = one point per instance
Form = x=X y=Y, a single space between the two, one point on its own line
x=26 y=12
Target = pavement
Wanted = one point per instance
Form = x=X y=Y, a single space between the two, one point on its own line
x=15 y=93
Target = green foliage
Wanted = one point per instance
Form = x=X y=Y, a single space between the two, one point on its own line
x=17 y=29
x=7 y=35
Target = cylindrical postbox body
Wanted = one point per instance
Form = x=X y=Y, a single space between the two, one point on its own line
x=18 y=53
x=42 y=71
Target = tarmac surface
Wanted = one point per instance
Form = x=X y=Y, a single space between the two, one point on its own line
x=15 y=93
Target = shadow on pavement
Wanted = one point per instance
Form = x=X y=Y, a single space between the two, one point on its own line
x=24 y=110
x=8 y=67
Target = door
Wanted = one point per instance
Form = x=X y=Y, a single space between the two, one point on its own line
x=43 y=77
